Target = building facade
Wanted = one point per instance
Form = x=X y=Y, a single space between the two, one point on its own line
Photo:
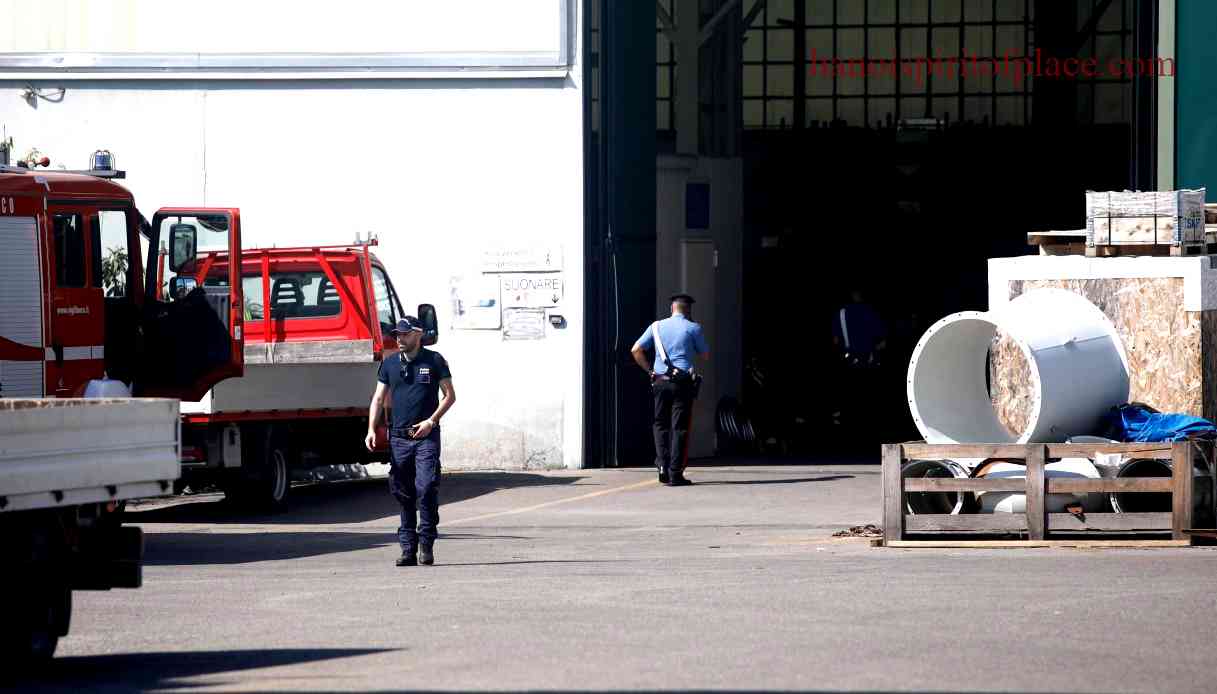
x=450 y=131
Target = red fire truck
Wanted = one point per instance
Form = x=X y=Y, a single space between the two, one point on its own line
x=79 y=303
x=274 y=357
x=69 y=313
x=317 y=322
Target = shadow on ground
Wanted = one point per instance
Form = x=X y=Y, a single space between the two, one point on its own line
x=137 y=672
x=141 y=672
x=870 y=455
x=208 y=548
x=189 y=549
x=798 y=480
x=340 y=502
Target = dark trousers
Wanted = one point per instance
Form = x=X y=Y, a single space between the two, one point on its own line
x=673 y=408
x=414 y=481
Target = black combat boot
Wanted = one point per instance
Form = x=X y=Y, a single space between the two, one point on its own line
x=407 y=558
x=425 y=556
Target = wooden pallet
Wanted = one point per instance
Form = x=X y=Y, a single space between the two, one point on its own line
x=1036 y=525
x=1032 y=544
x=1122 y=250
x=1068 y=242
x=1073 y=242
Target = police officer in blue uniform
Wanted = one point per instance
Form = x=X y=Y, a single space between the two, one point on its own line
x=675 y=341
x=419 y=383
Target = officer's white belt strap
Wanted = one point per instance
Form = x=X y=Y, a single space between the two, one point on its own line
x=663 y=353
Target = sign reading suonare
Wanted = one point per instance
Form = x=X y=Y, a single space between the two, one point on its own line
x=532 y=291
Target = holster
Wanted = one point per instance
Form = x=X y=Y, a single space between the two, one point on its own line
x=685 y=380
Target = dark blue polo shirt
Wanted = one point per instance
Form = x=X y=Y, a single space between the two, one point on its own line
x=414 y=387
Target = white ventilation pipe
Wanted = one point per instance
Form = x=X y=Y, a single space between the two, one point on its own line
x=1160 y=502
x=1016 y=502
x=1078 y=370
x=933 y=502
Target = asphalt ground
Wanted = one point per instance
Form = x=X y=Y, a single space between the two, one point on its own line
x=603 y=580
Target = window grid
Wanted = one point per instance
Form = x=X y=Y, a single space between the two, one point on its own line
x=1005 y=100
x=1090 y=86
x=665 y=69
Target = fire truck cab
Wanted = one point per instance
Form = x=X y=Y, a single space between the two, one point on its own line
x=83 y=298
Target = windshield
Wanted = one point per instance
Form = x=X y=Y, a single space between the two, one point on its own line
x=211 y=236
x=293 y=295
x=211 y=231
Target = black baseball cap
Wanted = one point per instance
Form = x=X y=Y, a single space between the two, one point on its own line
x=407 y=324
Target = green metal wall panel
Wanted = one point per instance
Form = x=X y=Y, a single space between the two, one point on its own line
x=1196 y=95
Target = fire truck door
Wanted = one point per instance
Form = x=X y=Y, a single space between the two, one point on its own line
x=75 y=351
x=195 y=336
x=22 y=359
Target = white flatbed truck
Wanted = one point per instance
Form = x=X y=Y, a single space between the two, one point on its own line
x=66 y=467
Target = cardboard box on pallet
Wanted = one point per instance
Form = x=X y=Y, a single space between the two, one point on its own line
x=1141 y=218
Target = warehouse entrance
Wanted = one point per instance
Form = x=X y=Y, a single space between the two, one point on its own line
x=823 y=147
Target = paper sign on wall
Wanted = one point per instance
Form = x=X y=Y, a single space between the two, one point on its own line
x=536 y=257
x=475 y=303
x=523 y=324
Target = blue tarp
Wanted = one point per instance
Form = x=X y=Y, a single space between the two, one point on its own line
x=1136 y=423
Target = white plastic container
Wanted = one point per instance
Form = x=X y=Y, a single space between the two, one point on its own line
x=107 y=388
x=1015 y=502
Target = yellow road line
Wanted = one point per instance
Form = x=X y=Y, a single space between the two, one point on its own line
x=547 y=504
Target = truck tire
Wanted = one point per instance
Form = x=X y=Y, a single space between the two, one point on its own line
x=264 y=480
x=39 y=596
x=278 y=481
x=43 y=615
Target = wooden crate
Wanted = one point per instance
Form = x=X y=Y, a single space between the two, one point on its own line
x=1036 y=524
x=1171 y=219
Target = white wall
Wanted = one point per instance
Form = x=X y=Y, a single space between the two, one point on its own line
x=243 y=27
x=438 y=168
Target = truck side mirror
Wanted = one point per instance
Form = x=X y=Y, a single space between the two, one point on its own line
x=426 y=316
x=183 y=240
x=180 y=286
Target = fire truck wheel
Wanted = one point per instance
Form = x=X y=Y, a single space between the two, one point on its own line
x=264 y=481
x=278 y=480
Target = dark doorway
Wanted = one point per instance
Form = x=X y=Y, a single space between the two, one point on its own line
x=897 y=184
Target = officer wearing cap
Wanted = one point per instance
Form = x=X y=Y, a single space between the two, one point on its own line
x=675 y=342
x=419 y=383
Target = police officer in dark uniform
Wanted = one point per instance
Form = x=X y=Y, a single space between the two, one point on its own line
x=675 y=341
x=419 y=383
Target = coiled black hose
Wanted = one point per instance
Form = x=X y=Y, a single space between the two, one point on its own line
x=733 y=427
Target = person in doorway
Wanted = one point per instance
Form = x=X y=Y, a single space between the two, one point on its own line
x=860 y=338
x=858 y=331
x=418 y=383
x=675 y=342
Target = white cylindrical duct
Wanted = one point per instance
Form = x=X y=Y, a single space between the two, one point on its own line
x=1160 y=502
x=1143 y=502
x=933 y=502
x=1016 y=502
x=1077 y=366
